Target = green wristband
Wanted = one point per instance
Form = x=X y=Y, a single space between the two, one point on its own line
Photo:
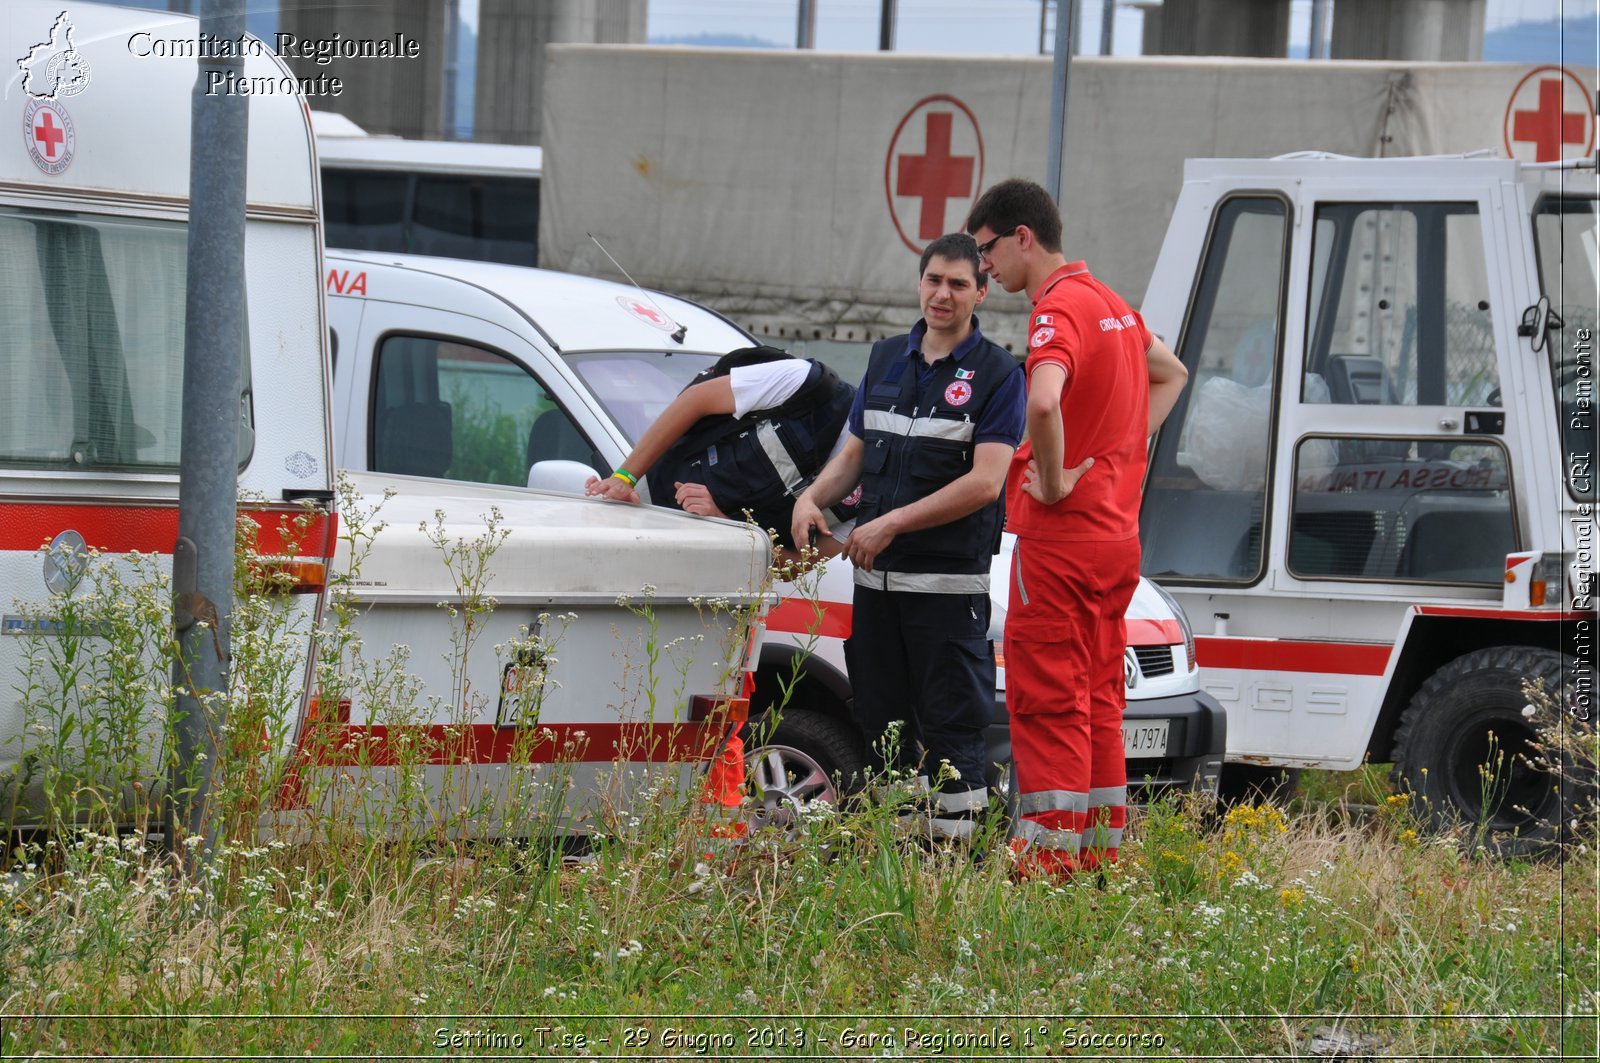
x=626 y=477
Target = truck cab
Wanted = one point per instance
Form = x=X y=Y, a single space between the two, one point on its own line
x=1375 y=499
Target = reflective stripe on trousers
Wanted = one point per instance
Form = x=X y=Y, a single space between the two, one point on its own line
x=1052 y=819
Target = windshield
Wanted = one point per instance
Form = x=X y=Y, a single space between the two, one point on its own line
x=635 y=386
x=1565 y=230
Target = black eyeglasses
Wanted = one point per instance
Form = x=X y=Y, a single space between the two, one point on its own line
x=988 y=245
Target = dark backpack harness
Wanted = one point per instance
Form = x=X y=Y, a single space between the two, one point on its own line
x=759 y=462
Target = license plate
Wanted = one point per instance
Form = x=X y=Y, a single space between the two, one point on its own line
x=1147 y=738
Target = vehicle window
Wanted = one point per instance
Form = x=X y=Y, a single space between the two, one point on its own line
x=1206 y=490
x=635 y=386
x=459 y=412
x=1399 y=308
x=364 y=211
x=93 y=341
x=490 y=219
x=1418 y=510
x=1565 y=233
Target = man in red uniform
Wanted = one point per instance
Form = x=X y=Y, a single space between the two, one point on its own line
x=1098 y=385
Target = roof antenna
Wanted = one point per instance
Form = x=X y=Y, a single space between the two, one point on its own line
x=682 y=330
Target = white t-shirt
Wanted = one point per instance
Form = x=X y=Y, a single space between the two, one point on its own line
x=770 y=384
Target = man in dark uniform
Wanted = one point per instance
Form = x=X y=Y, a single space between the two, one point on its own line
x=934 y=424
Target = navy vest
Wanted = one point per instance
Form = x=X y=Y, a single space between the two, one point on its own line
x=914 y=448
x=761 y=461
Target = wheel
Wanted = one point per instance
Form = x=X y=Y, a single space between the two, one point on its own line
x=1254 y=783
x=1468 y=716
x=803 y=757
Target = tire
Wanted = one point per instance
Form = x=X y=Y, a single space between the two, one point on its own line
x=1469 y=706
x=799 y=758
x=1255 y=783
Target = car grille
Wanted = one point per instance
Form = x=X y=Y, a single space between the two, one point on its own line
x=1154 y=660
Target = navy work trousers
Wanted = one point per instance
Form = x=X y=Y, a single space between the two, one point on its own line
x=925 y=659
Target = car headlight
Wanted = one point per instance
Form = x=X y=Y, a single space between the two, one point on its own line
x=1183 y=623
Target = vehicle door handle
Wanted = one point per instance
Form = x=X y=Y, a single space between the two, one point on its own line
x=1486 y=422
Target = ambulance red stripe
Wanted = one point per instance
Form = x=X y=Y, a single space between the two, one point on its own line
x=486 y=743
x=801 y=616
x=1489 y=613
x=122 y=526
x=1287 y=655
x=1144 y=632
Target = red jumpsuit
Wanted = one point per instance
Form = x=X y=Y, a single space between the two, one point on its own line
x=1073 y=574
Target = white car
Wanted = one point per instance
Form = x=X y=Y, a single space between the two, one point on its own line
x=500 y=374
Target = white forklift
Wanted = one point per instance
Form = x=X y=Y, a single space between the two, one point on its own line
x=1376 y=498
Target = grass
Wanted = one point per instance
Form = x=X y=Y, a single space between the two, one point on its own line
x=1251 y=933
x=1262 y=929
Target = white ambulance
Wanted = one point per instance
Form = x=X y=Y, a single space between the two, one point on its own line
x=1376 y=497
x=94 y=182
x=479 y=372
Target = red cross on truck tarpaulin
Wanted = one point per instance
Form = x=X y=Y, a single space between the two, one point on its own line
x=934 y=170
x=1549 y=117
x=49 y=136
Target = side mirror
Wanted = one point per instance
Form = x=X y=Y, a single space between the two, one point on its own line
x=1537 y=321
x=567 y=477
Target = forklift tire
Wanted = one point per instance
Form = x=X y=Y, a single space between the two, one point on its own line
x=1470 y=713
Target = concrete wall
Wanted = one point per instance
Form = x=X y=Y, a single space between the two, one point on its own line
x=400 y=96
x=512 y=35
x=1445 y=30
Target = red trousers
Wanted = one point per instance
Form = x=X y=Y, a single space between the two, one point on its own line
x=1065 y=692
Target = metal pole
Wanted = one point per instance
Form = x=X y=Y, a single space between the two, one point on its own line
x=886 y=20
x=1319 y=30
x=1061 y=68
x=452 y=72
x=208 y=464
x=1108 y=18
x=806 y=33
x=1044 y=22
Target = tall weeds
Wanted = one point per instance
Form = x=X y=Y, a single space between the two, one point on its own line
x=366 y=894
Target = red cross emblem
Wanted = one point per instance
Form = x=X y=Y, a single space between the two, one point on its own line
x=48 y=133
x=1548 y=110
x=934 y=170
x=645 y=312
x=958 y=393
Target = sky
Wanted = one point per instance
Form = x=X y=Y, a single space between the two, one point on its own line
x=999 y=27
